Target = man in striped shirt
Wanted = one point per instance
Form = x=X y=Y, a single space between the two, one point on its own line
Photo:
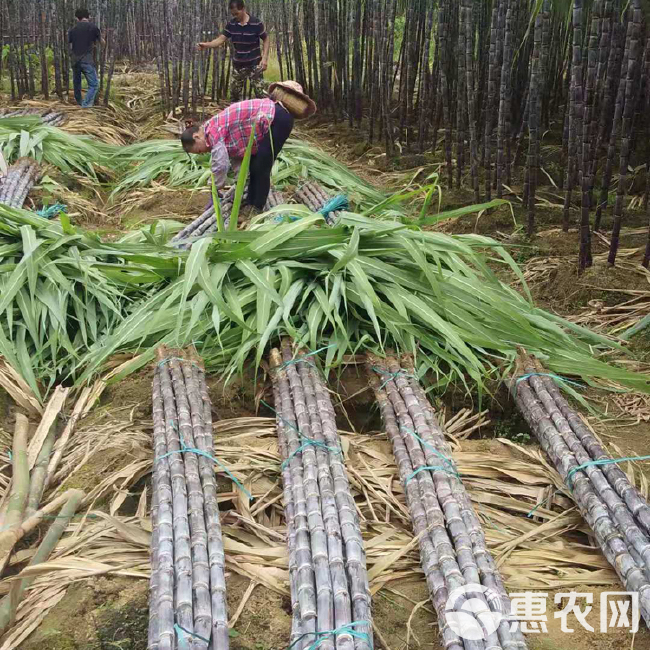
x=250 y=59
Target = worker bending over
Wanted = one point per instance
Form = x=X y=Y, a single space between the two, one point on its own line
x=226 y=136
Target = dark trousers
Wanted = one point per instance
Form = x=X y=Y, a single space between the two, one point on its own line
x=267 y=151
x=87 y=70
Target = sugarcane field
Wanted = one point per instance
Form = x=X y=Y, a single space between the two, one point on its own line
x=325 y=324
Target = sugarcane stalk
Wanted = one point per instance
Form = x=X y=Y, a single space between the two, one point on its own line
x=190 y=228
x=161 y=608
x=616 y=506
x=340 y=591
x=10 y=603
x=198 y=534
x=430 y=559
x=182 y=556
x=39 y=472
x=490 y=576
x=289 y=510
x=305 y=580
x=316 y=526
x=355 y=556
x=636 y=503
x=154 y=583
x=10 y=537
x=20 y=481
x=217 y=560
x=442 y=511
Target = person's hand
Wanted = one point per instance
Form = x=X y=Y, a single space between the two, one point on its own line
x=202 y=46
x=263 y=66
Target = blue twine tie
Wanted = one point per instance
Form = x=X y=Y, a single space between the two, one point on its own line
x=548 y=374
x=52 y=211
x=591 y=463
x=307 y=441
x=348 y=628
x=180 y=360
x=339 y=202
x=433 y=468
x=392 y=375
x=183 y=635
x=598 y=463
x=291 y=362
x=281 y=217
x=539 y=505
x=440 y=455
x=199 y=452
x=10 y=456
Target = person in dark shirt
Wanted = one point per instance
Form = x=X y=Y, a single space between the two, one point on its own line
x=250 y=59
x=82 y=38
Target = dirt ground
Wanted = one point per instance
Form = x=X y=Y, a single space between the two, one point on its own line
x=111 y=613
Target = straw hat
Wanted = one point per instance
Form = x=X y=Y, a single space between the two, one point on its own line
x=290 y=94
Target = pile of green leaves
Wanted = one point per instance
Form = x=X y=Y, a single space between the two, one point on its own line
x=28 y=136
x=300 y=161
x=61 y=292
x=363 y=285
x=140 y=164
x=164 y=160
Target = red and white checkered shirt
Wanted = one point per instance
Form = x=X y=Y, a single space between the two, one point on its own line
x=233 y=125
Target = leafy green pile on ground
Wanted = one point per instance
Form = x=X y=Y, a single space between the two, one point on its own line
x=72 y=301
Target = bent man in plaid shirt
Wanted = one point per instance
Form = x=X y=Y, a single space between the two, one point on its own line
x=226 y=136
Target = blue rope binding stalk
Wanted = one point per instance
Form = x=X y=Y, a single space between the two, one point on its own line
x=52 y=211
x=339 y=202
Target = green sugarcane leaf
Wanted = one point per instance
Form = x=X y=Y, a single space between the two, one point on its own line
x=241 y=180
x=264 y=300
x=351 y=252
x=282 y=233
x=251 y=271
x=271 y=327
x=25 y=144
x=30 y=244
x=12 y=285
x=461 y=212
x=195 y=261
x=314 y=318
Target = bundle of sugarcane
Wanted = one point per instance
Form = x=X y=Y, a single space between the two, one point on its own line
x=188 y=588
x=275 y=199
x=53 y=118
x=453 y=551
x=209 y=225
x=49 y=117
x=206 y=224
x=316 y=199
x=327 y=564
x=614 y=509
x=198 y=226
x=18 y=181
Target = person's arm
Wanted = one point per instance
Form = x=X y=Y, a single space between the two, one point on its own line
x=99 y=38
x=220 y=164
x=217 y=42
x=266 y=48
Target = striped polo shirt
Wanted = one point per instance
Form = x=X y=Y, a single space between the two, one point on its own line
x=246 y=41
